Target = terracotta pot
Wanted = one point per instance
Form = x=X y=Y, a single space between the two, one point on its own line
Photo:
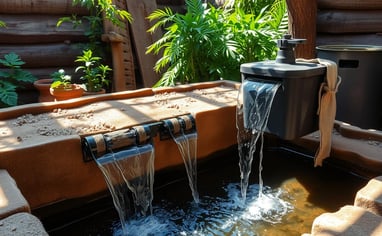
x=65 y=94
x=43 y=86
x=86 y=93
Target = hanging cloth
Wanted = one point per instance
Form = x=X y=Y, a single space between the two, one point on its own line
x=326 y=107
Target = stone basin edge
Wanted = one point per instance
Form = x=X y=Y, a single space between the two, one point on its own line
x=46 y=177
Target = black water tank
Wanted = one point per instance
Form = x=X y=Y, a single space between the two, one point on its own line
x=359 y=97
x=294 y=110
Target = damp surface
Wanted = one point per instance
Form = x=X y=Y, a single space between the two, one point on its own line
x=295 y=192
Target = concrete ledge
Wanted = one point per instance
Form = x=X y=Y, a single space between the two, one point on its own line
x=358 y=150
x=11 y=199
x=349 y=221
x=370 y=196
x=22 y=224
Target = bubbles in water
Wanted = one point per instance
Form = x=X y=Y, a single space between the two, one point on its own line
x=214 y=215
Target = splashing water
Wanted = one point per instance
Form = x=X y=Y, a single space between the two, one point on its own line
x=251 y=120
x=226 y=215
x=131 y=169
x=187 y=145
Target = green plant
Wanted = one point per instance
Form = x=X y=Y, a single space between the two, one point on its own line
x=11 y=78
x=256 y=34
x=61 y=80
x=98 y=9
x=249 y=6
x=2 y=24
x=208 y=43
x=107 y=8
x=94 y=73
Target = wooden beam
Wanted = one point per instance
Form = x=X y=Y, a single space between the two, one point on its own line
x=349 y=21
x=140 y=10
x=38 y=29
x=302 y=24
x=41 y=7
x=350 y=4
x=44 y=55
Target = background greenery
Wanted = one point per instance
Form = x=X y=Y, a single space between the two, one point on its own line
x=208 y=43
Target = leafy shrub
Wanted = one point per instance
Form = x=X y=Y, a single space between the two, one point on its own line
x=11 y=77
x=208 y=43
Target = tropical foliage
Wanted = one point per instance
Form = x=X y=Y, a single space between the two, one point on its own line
x=208 y=43
x=249 y=6
x=11 y=77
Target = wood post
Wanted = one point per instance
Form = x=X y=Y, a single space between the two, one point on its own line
x=140 y=10
x=116 y=43
x=302 y=24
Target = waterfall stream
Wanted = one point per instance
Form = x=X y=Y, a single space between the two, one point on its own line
x=251 y=121
x=131 y=169
x=187 y=145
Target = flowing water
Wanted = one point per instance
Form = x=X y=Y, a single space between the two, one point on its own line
x=253 y=108
x=210 y=216
x=303 y=193
x=131 y=169
x=236 y=207
x=187 y=145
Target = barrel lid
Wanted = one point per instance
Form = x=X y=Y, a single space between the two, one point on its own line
x=349 y=48
x=283 y=70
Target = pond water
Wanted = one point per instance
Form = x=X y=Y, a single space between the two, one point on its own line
x=295 y=193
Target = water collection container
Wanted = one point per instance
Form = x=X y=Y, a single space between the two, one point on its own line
x=294 y=110
x=359 y=97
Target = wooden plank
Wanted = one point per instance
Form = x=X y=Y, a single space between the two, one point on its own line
x=350 y=4
x=338 y=21
x=41 y=7
x=122 y=53
x=29 y=29
x=302 y=24
x=360 y=39
x=45 y=55
x=140 y=10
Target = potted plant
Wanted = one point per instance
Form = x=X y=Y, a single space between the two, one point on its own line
x=62 y=87
x=11 y=79
x=94 y=73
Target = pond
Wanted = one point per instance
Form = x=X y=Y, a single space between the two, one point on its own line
x=302 y=192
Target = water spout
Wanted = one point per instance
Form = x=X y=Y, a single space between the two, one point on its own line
x=126 y=159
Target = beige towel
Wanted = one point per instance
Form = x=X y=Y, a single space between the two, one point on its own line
x=326 y=108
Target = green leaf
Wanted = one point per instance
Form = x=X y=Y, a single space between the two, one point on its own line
x=8 y=95
x=12 y=60
x=24 y=76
